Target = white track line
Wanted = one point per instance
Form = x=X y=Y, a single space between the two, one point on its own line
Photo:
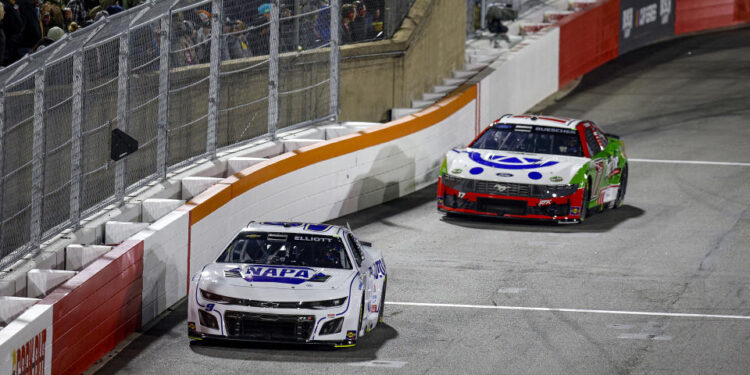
x=691 y=162
x=552 y=309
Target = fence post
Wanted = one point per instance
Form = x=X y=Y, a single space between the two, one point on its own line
x=335 y=20
x=213 y=78
x=2 y=165
x=122 y=111
x=75 y=145
x=273 y=71
x=163 y=115
x=297 y=11
x=483 y=15
x=37 y=169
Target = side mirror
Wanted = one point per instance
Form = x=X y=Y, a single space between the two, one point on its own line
x=365 y=243
x=612 y=136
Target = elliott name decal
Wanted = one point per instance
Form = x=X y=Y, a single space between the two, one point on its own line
x=29 y=358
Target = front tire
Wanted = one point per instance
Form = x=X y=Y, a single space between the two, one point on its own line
x=382 y=301
x=623 y=187
x=585 y=203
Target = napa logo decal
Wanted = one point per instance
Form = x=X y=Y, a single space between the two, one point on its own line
x=278 y=274
x=509 y=162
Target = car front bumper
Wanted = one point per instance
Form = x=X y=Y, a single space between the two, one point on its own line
x=566 y=208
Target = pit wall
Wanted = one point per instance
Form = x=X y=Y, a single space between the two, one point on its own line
x=128 y=287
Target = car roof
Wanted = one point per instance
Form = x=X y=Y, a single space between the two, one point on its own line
x=541 y=120
x=294 y=227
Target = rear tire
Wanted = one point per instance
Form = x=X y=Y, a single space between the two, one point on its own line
x=623 y=187
x=382 y=301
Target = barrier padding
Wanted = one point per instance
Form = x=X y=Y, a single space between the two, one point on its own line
x=698 y=15
x=96 y=309
x=589 y=39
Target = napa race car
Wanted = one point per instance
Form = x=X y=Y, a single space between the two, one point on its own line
x=290 y=283
x=535 y=167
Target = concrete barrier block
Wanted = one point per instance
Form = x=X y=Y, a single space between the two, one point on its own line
x=40 y=282
x=335 y=131
x=79 y=256
x=7 y=285
x=115 y=232
x=264 y=150
x=12 y=307
x=237 y=164
x=293 y=144
x=313 y=133
x=192 y=186
x=155 y=209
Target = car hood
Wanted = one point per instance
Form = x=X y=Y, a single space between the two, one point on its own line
x=515 y=167
x=278 y=283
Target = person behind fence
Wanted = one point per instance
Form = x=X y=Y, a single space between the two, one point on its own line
x=2 y=33
x=183 y=51
x=12 y=27
x=234 y=45
x=362 y=26
x=262 y=30
x=242 y=48
x=348 y=15
x=114 y=8
x=32 y=31
x=53 y=15
x=323 y=25
x=79 y=13
x=203 y=36
x=53 y=35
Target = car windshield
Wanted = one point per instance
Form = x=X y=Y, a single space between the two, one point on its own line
x=286 y=249
x=534 y=139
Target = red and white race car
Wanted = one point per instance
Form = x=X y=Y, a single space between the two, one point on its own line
x=535 y=167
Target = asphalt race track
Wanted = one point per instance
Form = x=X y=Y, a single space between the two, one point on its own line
x=660 y=286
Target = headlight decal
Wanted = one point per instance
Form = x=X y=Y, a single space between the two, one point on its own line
x=348 y=303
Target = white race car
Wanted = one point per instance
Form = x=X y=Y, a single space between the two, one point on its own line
x=289 y=282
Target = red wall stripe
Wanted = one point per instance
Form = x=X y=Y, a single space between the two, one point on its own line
x=589 y=39
x=96 y=308
x=697 y=15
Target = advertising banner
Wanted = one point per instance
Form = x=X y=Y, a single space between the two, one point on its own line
x=26 y=343
x=644 y=22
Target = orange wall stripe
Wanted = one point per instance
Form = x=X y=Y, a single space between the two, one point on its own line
x=220 y=194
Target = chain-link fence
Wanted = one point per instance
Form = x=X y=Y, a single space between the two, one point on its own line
x=182 y=77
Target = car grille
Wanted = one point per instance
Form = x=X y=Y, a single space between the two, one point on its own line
x=506 y=188
x=269 y=327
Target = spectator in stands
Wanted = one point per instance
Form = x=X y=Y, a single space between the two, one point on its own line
x=323 y=25
x=241 y=48
x=68 y=16
x=183 y=51
x=115 y=8
x=12 y=27
x=53 y=9
x=73 y=27
x=362 y=25
x=80 y=14
x=262 y=31
x=32 y=31
x=203 y=36
x=53 y=35
x=348 y=15
x=307 y=24
x=2 y=33
x=286 y=30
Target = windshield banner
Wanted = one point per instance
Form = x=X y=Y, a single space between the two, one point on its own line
x=643 y=22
